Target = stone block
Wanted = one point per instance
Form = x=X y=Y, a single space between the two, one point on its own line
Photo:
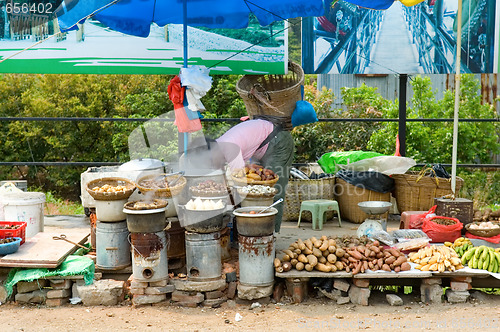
x=254 y=292
x=231 y=290
x=159 y=290
x=159 y=283
x=431 y=281
x=394 y=300
x=61 y=283
x=457 y=297
x=343 y=300
x=333 y=295
x=363 y=283
x=197 y=286
x=214 y=302
x=431 y=293
x=102 y=292
x=213 y=295
x=479 y=296
x=148 y=299
x=341 y=284
x=30 y=286
x=38 y=296
x=359 y=295
x=138 y=284
x=57 y=302
x=460 y=286
x=137 y=291
x=58 y=293
x=186 y=304
x=462 y=279
x=181 y=296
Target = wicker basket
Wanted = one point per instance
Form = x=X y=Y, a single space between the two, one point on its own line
x=248 y=181
x=416 y=193
x=163 y=192
x=272 y=94
x=110 y=196
x=348 y=196
x=303 y=190
x=482 y=233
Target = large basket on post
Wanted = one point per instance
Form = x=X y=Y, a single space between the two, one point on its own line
x=274 y=95
x=414 y=192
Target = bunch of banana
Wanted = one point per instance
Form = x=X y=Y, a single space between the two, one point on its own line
x=436 y=258
x=482 y=257
x=461 y=245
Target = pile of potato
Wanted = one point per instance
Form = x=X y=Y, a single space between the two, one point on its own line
x=486 y=215
x=331 y=255
x=109 y=189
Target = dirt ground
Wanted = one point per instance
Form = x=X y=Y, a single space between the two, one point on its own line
x=481 y=313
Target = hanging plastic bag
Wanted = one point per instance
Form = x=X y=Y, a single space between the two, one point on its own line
x=387 y=165
x=304 y=112
x=442 y=233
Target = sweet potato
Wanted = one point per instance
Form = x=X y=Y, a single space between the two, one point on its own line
x=322 y=260
x=325 y=253
x=355 y=254
x=313 y=240
x=323 y=268
x=375 y=249
x=405 y=266
x=339 y=265
x=289 y=253
x=294 y=262
x=302 y=258
x=334 y=268
x=331 y=242
x=277 y=262
x=390 y=260
x=365 y=265
x=370 y=265
x=287 y=266
x=331 y=258
x=317 y=252
x=279 y=269
x=307 y=251
x=297 y=251
x=380 y=263
x=395 y=252
x=332 y=249
x=400 y=260
x=301 y=244
x=339 y=252
x=397 y=269
x=285 y=258
x=299 y=266
x=308 y=267
x=308 y=244
x=324 y=246
x=323 y=238
x=312 y=260
x=317 y=244
x=376 y=243
x=367 y=252
x=357 y=268
x=295 y=245
x=386 y=267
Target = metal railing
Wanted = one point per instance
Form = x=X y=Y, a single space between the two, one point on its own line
x=231 y=120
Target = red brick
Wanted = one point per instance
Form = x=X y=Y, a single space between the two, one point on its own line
x=462 y=279
x=279 y=291
x=363 y=283
x=297 y=289
x=213 y=295
x=56 y=302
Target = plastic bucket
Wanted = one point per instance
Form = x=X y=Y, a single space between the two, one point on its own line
x=24 y=206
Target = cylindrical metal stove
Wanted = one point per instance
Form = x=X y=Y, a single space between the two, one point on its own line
x=256 y=256
x=112 y=245
x=203 y=256
x=149 y=256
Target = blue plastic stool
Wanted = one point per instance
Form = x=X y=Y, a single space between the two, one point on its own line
x=318 y=208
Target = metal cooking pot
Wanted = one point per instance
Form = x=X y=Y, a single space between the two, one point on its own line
x=146 y=221
x=202 y=221
x=255 y=224
x=137 y=168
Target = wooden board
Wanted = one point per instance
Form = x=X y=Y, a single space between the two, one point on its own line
x=41 y=251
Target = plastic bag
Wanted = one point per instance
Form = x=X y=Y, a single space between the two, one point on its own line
x=383 y=164
x=330 y=160
x=417 y=221
x=374 y=181
x=442 y=233
x=382 y=236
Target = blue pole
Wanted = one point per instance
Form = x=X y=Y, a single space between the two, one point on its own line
x=185 y=48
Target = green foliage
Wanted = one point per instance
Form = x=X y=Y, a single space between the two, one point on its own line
x=313 y=140
x=482 y=187
x=431 y=142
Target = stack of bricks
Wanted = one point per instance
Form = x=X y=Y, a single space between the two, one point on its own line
x=459 y=289
x=149 y=292
x=59 y=292
x=32 y=291
x=359 y=293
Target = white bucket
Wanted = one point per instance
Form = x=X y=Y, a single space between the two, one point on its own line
x=23 y=206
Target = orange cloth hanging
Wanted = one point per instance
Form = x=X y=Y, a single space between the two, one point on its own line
x=176 y=95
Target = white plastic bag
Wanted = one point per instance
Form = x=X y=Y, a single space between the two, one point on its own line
x=384 y=164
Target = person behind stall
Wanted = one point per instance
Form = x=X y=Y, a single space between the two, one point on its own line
x=265 y=141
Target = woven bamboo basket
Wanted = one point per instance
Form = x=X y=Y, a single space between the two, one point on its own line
x=416 y=193
x=482 y=232
x=348 y=197
x=303 y=190
x=162 y=192
x=272 y=94
x=114 y=182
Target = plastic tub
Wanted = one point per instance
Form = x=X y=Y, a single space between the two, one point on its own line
x=11 y=247
x=110 y=211
x=24 y=206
